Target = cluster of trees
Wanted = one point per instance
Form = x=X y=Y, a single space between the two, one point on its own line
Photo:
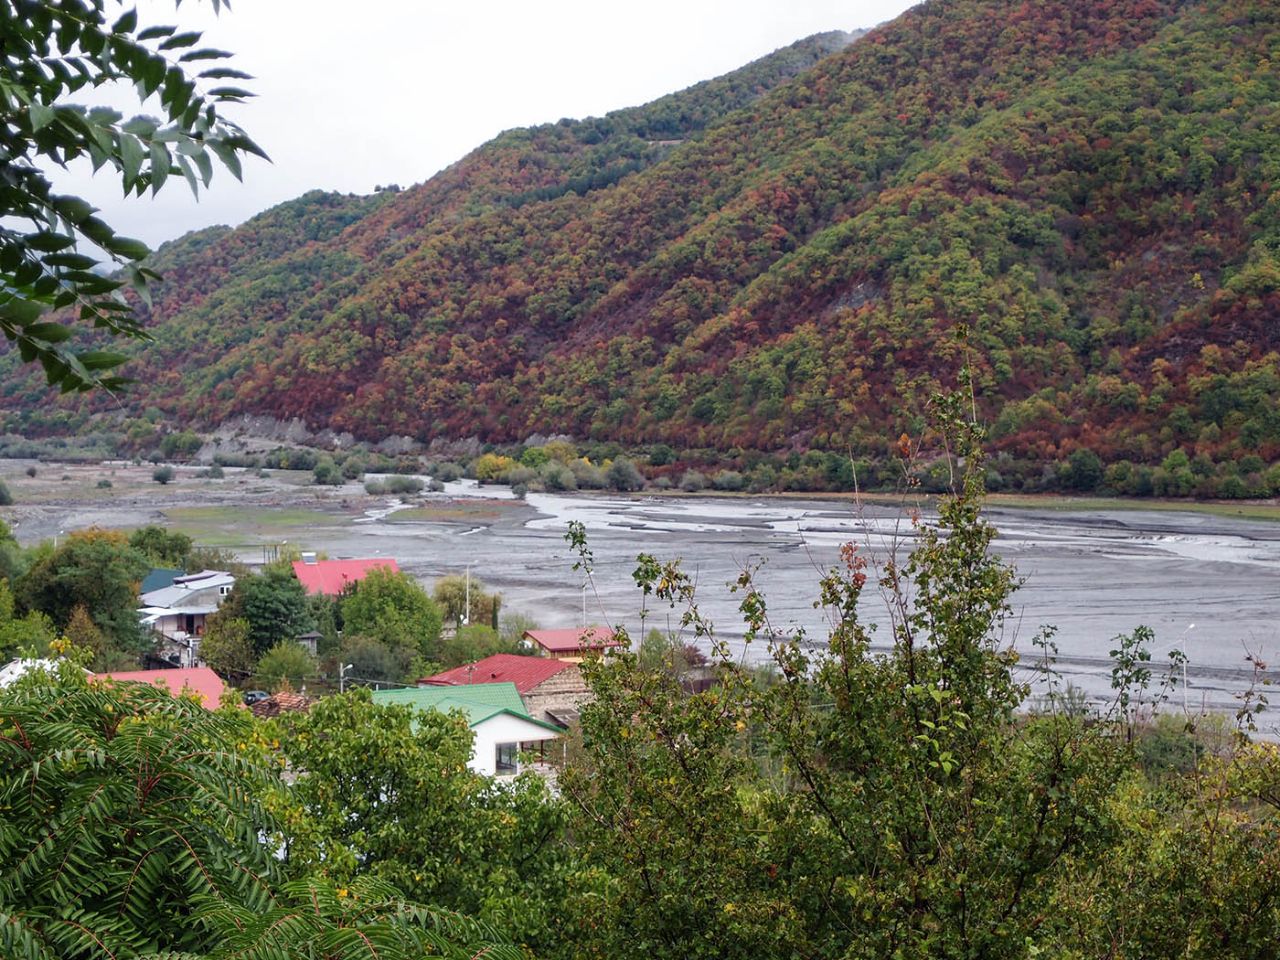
x=859 y=802
x=84 y=587
x=386 y=626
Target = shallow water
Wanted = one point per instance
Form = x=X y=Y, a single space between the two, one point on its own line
x=1206 y=583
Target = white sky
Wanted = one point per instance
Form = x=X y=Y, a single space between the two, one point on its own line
x=351 y=95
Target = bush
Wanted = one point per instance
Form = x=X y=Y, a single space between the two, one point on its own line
x=162 y=474
x=729 y=480
x=588 y=476
x=557 y=477
x=353 y=468
x=403 y=484
x=325 y=472
x=625 y=476
x=448 y=472
x=6 y=498
x=692 y=481
x=104 y=484
x=31 y=471
x=435 y=486
x=520 y=476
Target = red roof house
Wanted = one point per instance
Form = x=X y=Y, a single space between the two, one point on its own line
x=572 y=644
x=525 y=672
x=551 y=690
x=201 y=681
x=331 y=577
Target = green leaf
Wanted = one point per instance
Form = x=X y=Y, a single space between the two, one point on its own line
x=47 y=241
x=74 y=261
x=20 y=312
x=225 y=73
x=52 y=332
x=153 y=33
x=127 y=23
x=131 y=156
x=101 y=359
x=207 y=54
x=127 y=247
x=187 y=39
x=160 y=163
x=41 y=115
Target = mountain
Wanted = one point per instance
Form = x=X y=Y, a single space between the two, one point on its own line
x=1080 y=201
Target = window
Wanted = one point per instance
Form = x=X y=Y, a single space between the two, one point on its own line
x=506 y=759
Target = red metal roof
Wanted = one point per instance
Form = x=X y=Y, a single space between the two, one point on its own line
x=573 y=640
x=525 y=672
x=332 y=576
x=199 y=680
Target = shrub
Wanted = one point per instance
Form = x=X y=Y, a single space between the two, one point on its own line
x=325 y=472
x=692 y=481
x=625 y=476
x=587 y=475
x=162 y=475
x=104 y=484
x=520 y=476
x=729 y=480
x=6 y=498
x=31 y=471
x=557 y=477
x=448 y=472
x=403 y=484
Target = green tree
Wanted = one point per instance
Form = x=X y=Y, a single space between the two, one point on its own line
x=274 y=603
x=96 y=569
x=372 y=659
x=285 y=665
x=162 y=475
x=21 y=635
x=125 y=808
x=389 y=606
x=134 y=827
x=387 y=793
x=225 y=647
x=52 y=52
x=474 y=642
x=458 y=601
x=624 y=475
x=162 y=547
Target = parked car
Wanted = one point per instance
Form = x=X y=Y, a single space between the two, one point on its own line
x=255 y=696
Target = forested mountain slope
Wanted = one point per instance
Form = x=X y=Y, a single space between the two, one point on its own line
x=1081 y=200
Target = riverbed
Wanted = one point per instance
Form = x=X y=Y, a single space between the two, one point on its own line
x=1206 y=584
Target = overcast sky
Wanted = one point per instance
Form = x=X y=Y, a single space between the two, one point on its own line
x=352 y=95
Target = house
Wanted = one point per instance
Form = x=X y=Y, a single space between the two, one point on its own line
x=310 y=642
x=572 y=644
x=285 y=701
x=201 y=681
x=331 y=577
x=551 y=689
x=15 y=670
x=497 y=717
x=176 y=613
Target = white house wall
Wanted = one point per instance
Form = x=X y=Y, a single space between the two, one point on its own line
x=501 y=728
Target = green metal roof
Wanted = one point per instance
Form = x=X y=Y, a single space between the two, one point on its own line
x=479 y=701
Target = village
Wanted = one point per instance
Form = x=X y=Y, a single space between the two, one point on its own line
x=518 y=706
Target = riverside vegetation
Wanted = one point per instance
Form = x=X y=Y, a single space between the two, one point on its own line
x=841 y=804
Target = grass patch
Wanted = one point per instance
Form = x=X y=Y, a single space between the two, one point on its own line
x=445 y=512
x=228 y=526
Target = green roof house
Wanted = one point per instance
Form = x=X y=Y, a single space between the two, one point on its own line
x=496 y=715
